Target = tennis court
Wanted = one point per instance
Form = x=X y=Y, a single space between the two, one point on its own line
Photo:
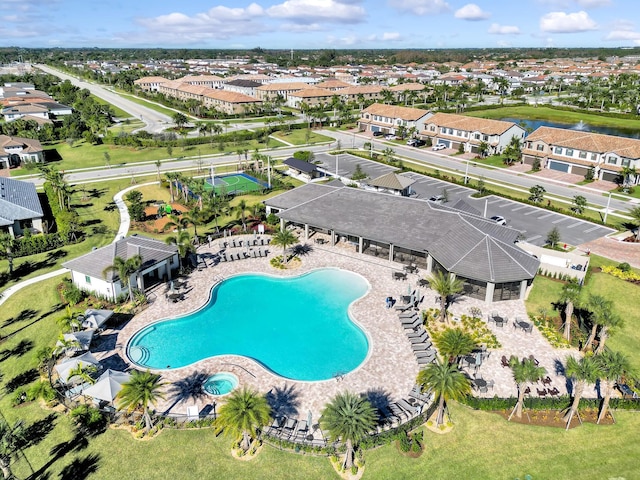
x=235 y=183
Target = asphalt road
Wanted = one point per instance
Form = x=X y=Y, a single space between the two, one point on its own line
x=535 y=223
x=154 y=121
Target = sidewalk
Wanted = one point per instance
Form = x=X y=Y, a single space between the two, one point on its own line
x=125 y=223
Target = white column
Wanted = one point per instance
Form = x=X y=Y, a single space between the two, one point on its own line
x=523 y=290
x=360 y=244
x=488 y=298
x=391 y=252
x=306 y=232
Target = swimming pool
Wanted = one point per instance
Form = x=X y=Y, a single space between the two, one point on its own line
x=298 y=327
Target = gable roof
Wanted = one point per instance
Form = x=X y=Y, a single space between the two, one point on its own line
x=460 y=242
x=587 y=141
x=27 y=144
x=300 y=165
x=471 y=124
x=96 y=261
x=394 y=111
x=18 y=201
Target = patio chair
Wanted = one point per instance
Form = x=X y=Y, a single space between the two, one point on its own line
x=417 y=332
x=303 y=430
x=424 y=338
x=420 y=346
x=542 y=393
x=275 y=426
x=504 y=362
x=403 y=308
x=554 y=392
x=413 y=325
x=491 y=384
x=546 y=381
x=407 y=315
x=289 y=427
x=531 y=357
x=425 y=360
x=527 y=390
x=398 y=411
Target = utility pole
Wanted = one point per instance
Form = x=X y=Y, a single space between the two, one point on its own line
x=606 y=211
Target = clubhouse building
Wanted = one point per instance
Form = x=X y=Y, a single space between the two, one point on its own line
x=482 y=254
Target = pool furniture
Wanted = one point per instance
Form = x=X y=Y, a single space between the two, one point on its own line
x=534 y=360
x=289 y=427
x=542 y=393
x=405 y=315
x=626 y=391
x=421 y=339
x=480 y=384
x=403 y=308
x=421 y=346
x=399 y=276
x=417 y=332
x=275 y=427
x=301 y=433
x=423 y=282
x=546 y=381
x=554 y=392
x=504 y=362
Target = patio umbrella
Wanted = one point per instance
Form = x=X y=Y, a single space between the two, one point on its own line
x=83 y=338
x=95 y=318
x=106 y=388
x=309 y=419
x=120 y=377
x=65 y=368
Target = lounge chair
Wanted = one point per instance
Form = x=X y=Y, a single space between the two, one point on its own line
x=407 y=315
x=412 y=409
x=421 y=339
x=302 y=431
x=275 y=427
x=289 y=428
x=418 y=332
x=413 y=325
x=404 y=307
x=398 y=411
x=421 y=346
x=426 y=353
x=425 y=360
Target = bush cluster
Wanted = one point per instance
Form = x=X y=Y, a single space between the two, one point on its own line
x=622 y=273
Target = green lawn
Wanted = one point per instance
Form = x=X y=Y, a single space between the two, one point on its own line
x=555 y=115
x=127 y=126
x=83 y=155
x=298 y=137
x=493 y=161
x=118 y=112
x=152 y=105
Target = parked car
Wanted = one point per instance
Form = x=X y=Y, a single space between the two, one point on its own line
x=500 y=220
x=439 y=146
x=377 y=133
x=437 y=199
x=416 y=142
x=389 y=137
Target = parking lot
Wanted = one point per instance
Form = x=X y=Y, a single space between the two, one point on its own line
x=535 y=223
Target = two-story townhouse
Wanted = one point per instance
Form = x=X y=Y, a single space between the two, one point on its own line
x=577 y=152
x=210 y=81
x=231 y=103
x=271 y=91
x=361 y=94
x=245 y=87
x=150 y=84
x=454 y=130
x=311 y=97
x=388 y=119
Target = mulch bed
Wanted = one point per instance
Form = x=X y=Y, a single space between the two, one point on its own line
x=157 y=224
x=553 y=418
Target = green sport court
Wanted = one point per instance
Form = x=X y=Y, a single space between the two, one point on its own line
x=235 y=183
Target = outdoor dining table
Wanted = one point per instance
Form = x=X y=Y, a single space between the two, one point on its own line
x=526 y=326
x=481 y=383
x=174 y=297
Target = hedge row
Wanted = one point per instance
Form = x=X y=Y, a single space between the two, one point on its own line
x=66 y=221
x=32 y=244
x=547 y=403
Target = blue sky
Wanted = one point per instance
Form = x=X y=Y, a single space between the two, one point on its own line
x=309 y=24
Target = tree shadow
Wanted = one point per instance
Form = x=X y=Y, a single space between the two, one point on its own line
x=26 y=314
x=20 y=349
x=21 y=379
x=96 y=193
x=37 y=431
x=54 y=309
x=302 y=250
x=81 y=468
x=110 y=207
x=190 y=387
x=378 y=398
x=283 y=401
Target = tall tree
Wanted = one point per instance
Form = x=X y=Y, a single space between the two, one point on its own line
x=141 y=391
x=634 y=213
x=6 y=244
x=11 y=437
x=569 y=295
x=598 y=307
x=125 y=269
x=613 y=366
x=241 y=209
x=445 y=286
x=350 y=418
x=243 y=414
x=447 y=383
x=609 y=320
x=454 y=343
x=182 y=240
x=284 y=238
x=583 y=371
x=524 y=371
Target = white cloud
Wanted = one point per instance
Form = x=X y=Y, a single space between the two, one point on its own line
x=498 y=29
x=471 y=11
x=391 y=36
x=624 y=36
x=561 y=22
x=217 y=23
x=311 y=11
x=421 y=7
x=593 y=3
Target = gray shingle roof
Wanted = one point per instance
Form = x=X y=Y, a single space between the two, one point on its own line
x=300 y=165
x=95 y=262
x=391 y=181
x=464 y=244
x=18 y=201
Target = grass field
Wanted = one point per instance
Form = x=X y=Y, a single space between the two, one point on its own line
x=298 y=137
x=555 y=115
x=83 y=155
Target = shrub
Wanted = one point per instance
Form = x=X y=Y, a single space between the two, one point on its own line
x=403 y=441
x=88 y=419
x=624 y=267
x=629 y=275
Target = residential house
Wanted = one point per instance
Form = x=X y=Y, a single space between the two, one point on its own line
x=245 y=87
x=333 y=84
x=390 y=119
x=231 y=103
x=159 y=262
x=270 y=91
x=210 y=81
x=20 y=207
x=577 y=151
x=361 y=94
x=310 y=96
x=150 y=84
x=454 y=130
x=17 y=150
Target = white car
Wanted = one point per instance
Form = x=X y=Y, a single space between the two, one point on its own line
x=499 y=220
x=437 y=199
x=440 y=146
x=390 y=137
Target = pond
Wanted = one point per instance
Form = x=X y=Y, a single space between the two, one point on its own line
x=531 y=125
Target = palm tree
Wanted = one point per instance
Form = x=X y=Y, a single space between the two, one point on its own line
x=523 y=372
x=608 y=321
x=84 y=373
x=141 y=391
x=634 y=213
x=241 y=209
x=183 y=241
x=65 y=345
x=11 y=436
x=244 y=413
x=570 y=295
x=6 y=244
x=158 y=164
x=284 y=238
x=599 y=307
x=125 y=269
x=69 y=321
x=613 y=366
x=445 y=285
x=454 y=343
x=350 y=418
x=447 y=383
x=583 y=371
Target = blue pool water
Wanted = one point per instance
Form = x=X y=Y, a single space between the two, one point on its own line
x=297 y=327
x=220 y=383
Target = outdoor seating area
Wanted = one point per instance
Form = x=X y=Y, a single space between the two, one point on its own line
x=499 y=320
x=399 y=275
x=417 y=335
x=296 y=431
x=177 y=290
x=525 y=326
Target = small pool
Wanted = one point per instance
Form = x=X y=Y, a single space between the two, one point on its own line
x=220 y=383
x=299 y=327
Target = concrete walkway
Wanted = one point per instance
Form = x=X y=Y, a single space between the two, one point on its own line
x=125 y=223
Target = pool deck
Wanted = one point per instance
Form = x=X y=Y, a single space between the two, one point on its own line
x=390 y=369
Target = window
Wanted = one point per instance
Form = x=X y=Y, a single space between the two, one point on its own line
x=451 y=131
x=558 y=150
x=594 y=156
x=485 y=137
x=87 y=279
x=569 y=152
x=540 y=147
x=582 y=154
x=477 y=136
x=612 y=160
x=625 y=162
